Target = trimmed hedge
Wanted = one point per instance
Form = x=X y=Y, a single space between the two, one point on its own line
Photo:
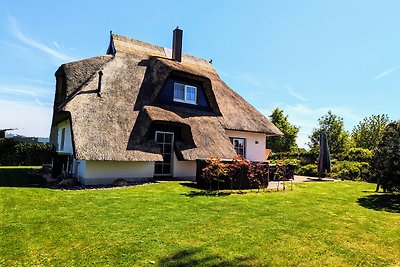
x=15 y=153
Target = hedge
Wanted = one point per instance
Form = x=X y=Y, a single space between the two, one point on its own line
x=15 y=153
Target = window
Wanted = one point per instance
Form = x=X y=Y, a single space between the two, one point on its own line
x=239 y=144
x=62 y=139
x=185 y=93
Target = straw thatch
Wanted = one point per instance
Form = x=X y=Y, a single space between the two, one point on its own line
x=114 y=126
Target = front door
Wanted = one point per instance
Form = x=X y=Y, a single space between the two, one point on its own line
x=165 y=140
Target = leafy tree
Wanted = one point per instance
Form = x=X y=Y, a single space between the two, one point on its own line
x=368 y=132
x=287 y=142
x=333 y=126
x=386 y=160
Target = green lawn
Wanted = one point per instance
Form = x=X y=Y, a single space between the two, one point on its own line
x=316 y=224
x=20 y=167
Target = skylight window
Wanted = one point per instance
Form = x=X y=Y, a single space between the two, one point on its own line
x=185 y=93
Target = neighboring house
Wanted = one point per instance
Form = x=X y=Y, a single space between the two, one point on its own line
x=30 y=139
x=3 y=132
x=145 y=111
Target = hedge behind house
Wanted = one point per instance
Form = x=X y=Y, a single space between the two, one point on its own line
x=15 y=153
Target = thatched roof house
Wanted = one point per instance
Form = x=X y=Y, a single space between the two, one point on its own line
x=116 y=112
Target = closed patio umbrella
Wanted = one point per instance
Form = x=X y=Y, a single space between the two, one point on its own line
x=324 y=159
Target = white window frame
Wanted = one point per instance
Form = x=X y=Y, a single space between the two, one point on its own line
x=172 y=154
x=185 y=86
x=244 y=145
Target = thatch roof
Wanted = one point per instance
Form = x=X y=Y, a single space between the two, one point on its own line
x=114 y=125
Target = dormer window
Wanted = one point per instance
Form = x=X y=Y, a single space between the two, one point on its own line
x=185 y=93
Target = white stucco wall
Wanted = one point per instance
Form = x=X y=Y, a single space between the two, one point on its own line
x=105 y=172
x=68 y=148
x=255 y=144
x=80 y=168
x=184 y=169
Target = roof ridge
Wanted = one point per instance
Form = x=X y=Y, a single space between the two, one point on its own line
x=158 y=50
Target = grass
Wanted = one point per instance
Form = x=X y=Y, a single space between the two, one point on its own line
x=166 y=224
x=20 y=167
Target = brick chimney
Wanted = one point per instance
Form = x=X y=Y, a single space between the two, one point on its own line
x=177 y=45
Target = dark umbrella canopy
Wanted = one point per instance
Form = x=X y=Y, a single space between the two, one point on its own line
x=324 y=159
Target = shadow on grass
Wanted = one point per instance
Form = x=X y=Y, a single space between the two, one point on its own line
x=221 y=193
x=191 y=185
x=206 y=194
x=15 y=177
x=381 y=202
x=200 y=257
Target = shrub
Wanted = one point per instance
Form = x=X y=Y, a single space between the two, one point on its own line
x=256 y=174
x=350 y=173
x=350 y=170
x=356 y=154
x=308 y=170
x=237 y=171
x=301 y=157
x=214 y=172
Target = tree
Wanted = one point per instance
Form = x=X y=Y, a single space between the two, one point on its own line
x=386 y=160
x=368 y=132
x=333 y=126
x=286 y=142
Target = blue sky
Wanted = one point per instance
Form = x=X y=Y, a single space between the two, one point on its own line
x=305 y=57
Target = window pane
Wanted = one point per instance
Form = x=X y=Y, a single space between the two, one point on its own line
x=166 y=169
x=167 y=158
x=160 y=138
x=239 y=146
x=167 y=149
x=62 y=139
x=191 y=92
x=179 y=91
x=158 y=168
x=168 y=138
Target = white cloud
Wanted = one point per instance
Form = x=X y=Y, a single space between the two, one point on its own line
x=40 y=95
x=31 y=120
x=16 y=31
x=386 y=72
x=38 y=81
x=295 y=94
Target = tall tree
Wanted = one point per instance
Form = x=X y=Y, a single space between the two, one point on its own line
x=386 y=159
x=368 y=132
x=333 y=126
x=286 y=142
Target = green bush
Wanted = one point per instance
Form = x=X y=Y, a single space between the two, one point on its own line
x=294 y=162
x=303 y=157
x=350 y=170
x=15 y=153
x=356 y=154
x=308 y=170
